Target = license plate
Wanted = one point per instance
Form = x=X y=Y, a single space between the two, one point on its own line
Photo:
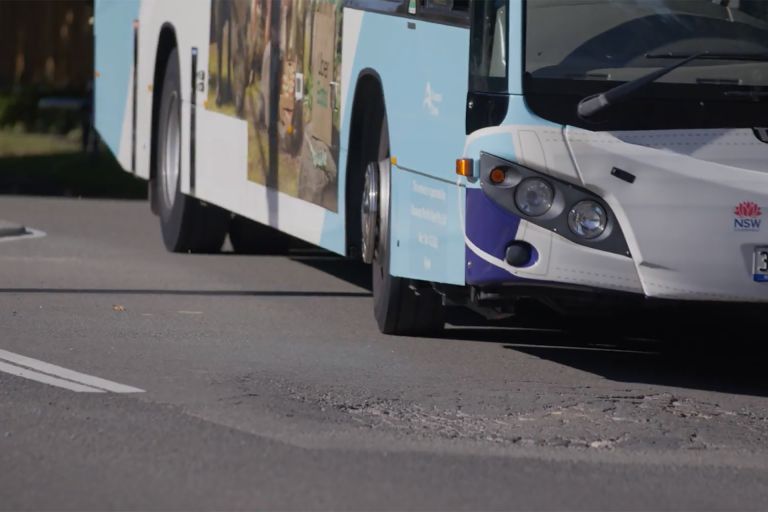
x=761 y=264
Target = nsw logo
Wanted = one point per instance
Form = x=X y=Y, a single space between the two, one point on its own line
x=747 y=217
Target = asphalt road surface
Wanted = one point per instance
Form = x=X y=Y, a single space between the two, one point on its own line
x=236 y=382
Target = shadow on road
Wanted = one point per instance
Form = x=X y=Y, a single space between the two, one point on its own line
x=723 y=353
x=353 y=272
x=199 y=293
x=730 y=360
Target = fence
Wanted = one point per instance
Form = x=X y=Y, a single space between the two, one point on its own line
x=46 y=44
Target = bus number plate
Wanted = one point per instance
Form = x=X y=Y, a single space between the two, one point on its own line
x=761 y=265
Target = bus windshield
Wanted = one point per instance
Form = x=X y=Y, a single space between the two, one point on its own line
x=608 y=41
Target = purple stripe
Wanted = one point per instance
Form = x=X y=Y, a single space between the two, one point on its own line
x=491 y=229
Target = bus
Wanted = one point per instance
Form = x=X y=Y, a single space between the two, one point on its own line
x=476 y=153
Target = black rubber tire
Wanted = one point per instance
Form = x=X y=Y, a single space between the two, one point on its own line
x=187 y=224
x=402 y=307
x=250 y=237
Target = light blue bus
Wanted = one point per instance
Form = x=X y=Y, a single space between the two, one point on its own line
x=475 y=153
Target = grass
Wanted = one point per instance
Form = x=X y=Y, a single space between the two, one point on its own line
x=34 y=144
x=54 y=165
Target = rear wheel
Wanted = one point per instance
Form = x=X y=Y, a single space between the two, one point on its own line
x=401 y=306
x=187 y=224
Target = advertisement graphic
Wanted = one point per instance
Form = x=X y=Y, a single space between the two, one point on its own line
x=276 y=64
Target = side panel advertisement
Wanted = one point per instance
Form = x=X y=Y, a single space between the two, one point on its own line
x=277 y=65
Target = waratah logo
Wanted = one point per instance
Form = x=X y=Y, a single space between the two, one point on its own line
x=748 y=209
x=747 y=217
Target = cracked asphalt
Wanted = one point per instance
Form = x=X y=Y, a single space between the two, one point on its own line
x=267 y=386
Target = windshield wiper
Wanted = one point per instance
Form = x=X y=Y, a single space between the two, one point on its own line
x=711 y=56
x=596 y=103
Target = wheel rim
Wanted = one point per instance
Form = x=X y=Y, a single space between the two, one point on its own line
x=369 y=212
x=171 y=153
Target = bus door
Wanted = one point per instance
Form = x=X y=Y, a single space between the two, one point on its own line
x=427 y=239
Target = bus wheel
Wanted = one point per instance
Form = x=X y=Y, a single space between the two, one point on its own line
x=187 y=224
x=401 y=306
x=251 y=237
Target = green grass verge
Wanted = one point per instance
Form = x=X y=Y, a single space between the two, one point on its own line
x=25 y=144
x=39 y=164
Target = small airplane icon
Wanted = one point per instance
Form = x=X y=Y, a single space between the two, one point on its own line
x=431 y=98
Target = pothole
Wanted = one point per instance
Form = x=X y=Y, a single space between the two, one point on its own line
x=624 y=420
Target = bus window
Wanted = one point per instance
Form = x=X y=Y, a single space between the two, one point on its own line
x=607 y=42
x=488 y=46
x=487 y=100
x=451 y=12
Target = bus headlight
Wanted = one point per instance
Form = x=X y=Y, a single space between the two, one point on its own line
x=570 y=211
x=534 y=196
x=587 y=219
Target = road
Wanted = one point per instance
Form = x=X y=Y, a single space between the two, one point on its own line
x=241 y=382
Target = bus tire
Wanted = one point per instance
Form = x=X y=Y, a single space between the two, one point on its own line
x=251 y=237
x=187 y=224
x=401 y=306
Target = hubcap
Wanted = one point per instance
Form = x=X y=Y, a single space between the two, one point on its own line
x=171 y=152
x=369 y=212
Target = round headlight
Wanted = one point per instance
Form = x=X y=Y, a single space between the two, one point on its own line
x=587 y=219
x=534 y=196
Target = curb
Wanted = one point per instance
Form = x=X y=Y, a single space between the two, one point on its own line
x=7 y=230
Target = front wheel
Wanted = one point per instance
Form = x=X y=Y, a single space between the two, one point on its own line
x=401 y=306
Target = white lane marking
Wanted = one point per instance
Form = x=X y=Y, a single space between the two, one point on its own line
x=46 y=379
x=31 y=233
x=190 y=312
x=58 y=371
